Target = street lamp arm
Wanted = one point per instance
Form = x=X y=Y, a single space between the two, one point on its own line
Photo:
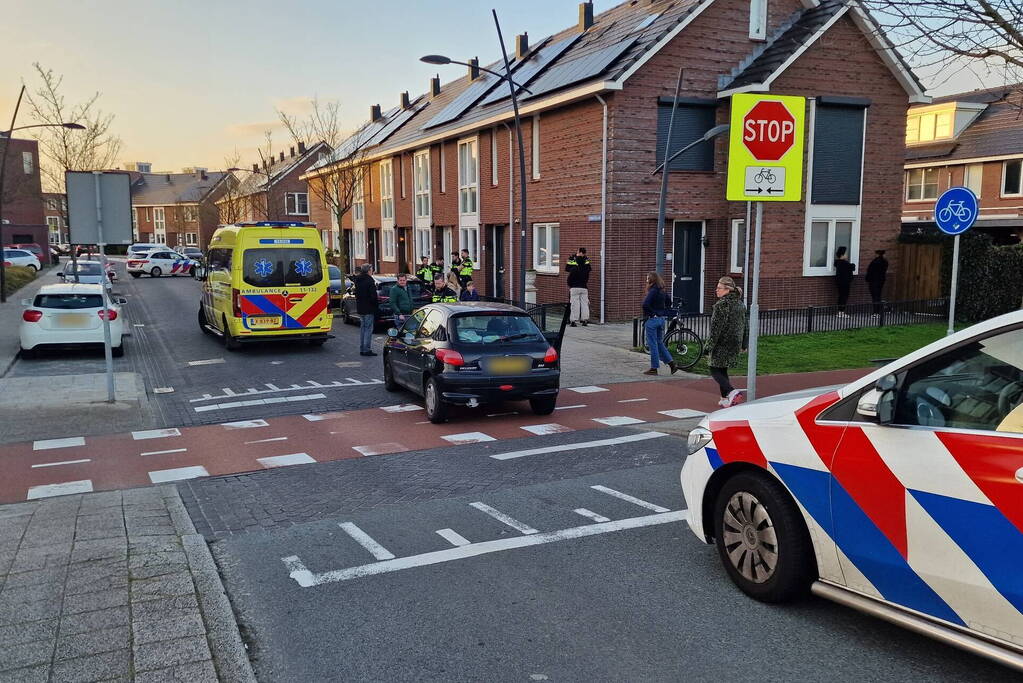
x=485 y=70
x=708 y=136
x=69 y=126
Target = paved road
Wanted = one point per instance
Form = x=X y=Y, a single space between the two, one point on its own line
x=564 y=566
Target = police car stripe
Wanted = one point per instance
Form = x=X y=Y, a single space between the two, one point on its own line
x=995 y=473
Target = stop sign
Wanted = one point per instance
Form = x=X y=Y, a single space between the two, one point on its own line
x=768 y=130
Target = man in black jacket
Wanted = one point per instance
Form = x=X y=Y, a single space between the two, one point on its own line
x=367 y=302
x=877 y=272
x=578 y=268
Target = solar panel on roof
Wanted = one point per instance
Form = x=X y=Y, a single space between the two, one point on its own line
x=394 y=124
x=464 y=101
x=646 y=22
x=532 y=66
x=581 y=69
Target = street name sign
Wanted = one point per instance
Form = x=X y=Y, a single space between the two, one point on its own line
x=765 y=148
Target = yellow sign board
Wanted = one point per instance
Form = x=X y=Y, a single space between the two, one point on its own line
x=765 y=148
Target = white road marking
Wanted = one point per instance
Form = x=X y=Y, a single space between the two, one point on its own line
x=514 y=412
x=402 y=408
x=274 y=389
x=424 y=422
x=633 y=400
x=582 y=405
x=681 y=413
x=66 y=488
x=138 y=325
x=65 y=462
x=366 y=541
x=172 y=450
x=468 y=437
x=177 y=474
x=276 y=362
x=349 y=364
x=503 y=518
x=276 y=438
x=258 y=402
x=285 y=460
x=155 y=433
x=552 y=428
x=453 y=537
x=208 y=361
x=245 y=424
x=628 y=498
x=618 y=420
x=48 y=444
x=381 y=448
x=591 y=515
x=163 y=390
x=587 y=390
x=306 y=579
x=641 y=436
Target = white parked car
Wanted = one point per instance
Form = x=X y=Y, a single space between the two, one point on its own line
x=900 y=494
x=69 y=316
x=160 y=262
x=89 y=272
x=21 y=257
x=143 y=248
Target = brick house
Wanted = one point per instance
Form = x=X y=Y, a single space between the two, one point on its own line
x=441 y=170
x=55 y=215
x=176 y=209
x=975 y=140
x=21 y=218
x=272 y=190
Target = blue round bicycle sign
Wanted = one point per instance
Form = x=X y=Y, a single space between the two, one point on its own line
x=956 y=210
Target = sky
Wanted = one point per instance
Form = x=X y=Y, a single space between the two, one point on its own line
x=191 y=81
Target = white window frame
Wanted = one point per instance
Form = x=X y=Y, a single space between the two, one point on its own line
x=973 y=178
x=359 y=206
x=547 y=244
x=493 y=156
x=389 y=247
x=386 y=195
x=159 y=220
x=190 y=213
x=468 y=181
x=469 y=238
x=134 y=217
x=443 y=170
x=758 y=19
x=53 y=223
x=51 y=204
x=832 y=215
x=292 y=205
x=423 y=244
x=422 y=206
x=191 y=239
x=28 y=163
x=359 y=242
x=447 y=244
x=922 y=184
x=737 y=246
x=535 y=153
x=1005 y=167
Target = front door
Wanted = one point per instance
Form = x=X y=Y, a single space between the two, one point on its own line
x=403 y=251
x=373 y=249
x=496 y=250
x=687 y=265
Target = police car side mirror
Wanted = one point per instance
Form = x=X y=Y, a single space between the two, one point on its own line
x=879 y=403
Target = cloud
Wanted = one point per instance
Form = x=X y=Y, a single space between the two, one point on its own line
x=294 y=106
x=256 y=128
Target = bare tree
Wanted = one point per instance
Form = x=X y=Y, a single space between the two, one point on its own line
x=229 y=205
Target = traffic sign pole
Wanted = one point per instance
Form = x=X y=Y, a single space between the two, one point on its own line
x=754 y=311
x=955 y=212
x=108 y=353
x=955 y=286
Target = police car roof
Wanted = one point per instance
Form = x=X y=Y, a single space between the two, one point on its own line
x=274 y=224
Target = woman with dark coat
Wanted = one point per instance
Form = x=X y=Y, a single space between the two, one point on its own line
x=727 y=339
x=844 y=270
x=657 y=309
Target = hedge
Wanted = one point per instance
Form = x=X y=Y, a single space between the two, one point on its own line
x=16 y=277
x=990 y=277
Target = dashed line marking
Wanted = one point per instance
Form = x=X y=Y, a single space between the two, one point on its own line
x=366 y=541
x=172 y=450
x=590 y=514
x=63 y=489
x=177 y=474
x=320 y=417
x=468 y=437
x=633 y=400
x=682 y=413
x=208 y=361
x=552 y=428
x=453 y=537
x=642 y=436
x=381 y=448
x=155 y=434
x=163 y=390
x=245 y=424
x=258 y=402
x=618 y=420
x=628 y=498
x=49 y=444
x=401 y=408
x=285 y=460
x=587 y=389
x=276 y=438
x=503 y=518
x=513 y=412
x=583 y=405
x=64 y=462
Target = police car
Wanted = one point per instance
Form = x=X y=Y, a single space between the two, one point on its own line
x=160 y=262
x=900 y=495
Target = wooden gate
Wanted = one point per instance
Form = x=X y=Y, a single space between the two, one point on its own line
x=919 y=272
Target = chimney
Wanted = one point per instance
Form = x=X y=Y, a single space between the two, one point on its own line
x=255 y=168
x=585 y=15
x=292 y=152
x=374 y=112
x=474 y=68
x=521 y=45
x=434 y=86
x=282 y=156
x=405 y=104
x=301 y=148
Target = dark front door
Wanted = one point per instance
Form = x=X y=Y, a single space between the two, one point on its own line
x=403 y=246
x=373 y=249
x=686 y=265
x=496 y=249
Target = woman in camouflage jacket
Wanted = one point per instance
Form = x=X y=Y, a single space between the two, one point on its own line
x=727 y=339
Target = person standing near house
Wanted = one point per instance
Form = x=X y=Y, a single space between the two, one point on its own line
x=657 y=309
x=438 y=268
x=366 y=305
x=400 y=299
x=470 y=293
x=465 y=268
x=877 y=272
x=425 y=272
x=844 y=270
x=442 y=292
x=456 y=263
x=727 y=339
x=578 y=268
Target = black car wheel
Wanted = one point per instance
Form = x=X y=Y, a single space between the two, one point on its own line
x=117 y=351
x=230 y=343
x=389 y=383
x=543 y=406
x=27 y=354
x=135 y=275
x=202 y=321
x=436 y=409
x=762 y=539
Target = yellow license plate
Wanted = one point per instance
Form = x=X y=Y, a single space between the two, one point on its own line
x=261 y=322
x=72 y=320
x=509 y=366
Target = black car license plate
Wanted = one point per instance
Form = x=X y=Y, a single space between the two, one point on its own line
x=509 y=365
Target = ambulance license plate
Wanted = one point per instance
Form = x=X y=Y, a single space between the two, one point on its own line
x=263 y=322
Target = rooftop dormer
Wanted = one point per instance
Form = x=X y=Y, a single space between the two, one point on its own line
x=937 y=122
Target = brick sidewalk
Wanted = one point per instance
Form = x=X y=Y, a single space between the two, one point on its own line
x=112 y=585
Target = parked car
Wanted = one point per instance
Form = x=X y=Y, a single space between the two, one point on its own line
x=31 y=247
x=471 y=354
x=21 y=257
x=194 y=253
x=140 y=248
x=898 y=494
x=89 y=272
x=159 y=261
x=87 y=251
x=338 y=284
x=385 y=316
x=69 y=315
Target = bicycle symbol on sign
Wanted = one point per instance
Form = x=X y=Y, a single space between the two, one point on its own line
x=958 y=209
x=765 y=175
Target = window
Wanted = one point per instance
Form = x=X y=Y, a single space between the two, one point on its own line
x=191 y=213
x=149 y=214
x=443 y=171
x=826 y=235
x=51 y=204
x=430 y=325
x=390 y=247
x=921 y=184
x=191 y=239
x=424 y=244
x=1012 y=177
x=359 y=242
x=943 y=125
x=28 y=163
x=159 y=224
x=469 y=238
x=219 y=259
x=758 y=19
x=446 y=244
x=54 y=224
x=495 y=329
x=691 y=122
x=296 y=203
x=974 y=177
x=358 y=203
x=421 y=183
x=976 y=386
x=912 y=129
x=545 y=247
x=386 y=193
x=535 y=136
x=134 y=217
x=737 y=246
x=468 y=177
x=493 y=156
x=930 y=126
x=277 y=267
x=837 y=154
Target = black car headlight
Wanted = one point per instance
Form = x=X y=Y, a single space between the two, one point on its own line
x=698 y=438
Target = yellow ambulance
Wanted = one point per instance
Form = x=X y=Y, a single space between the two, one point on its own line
x=266 y=281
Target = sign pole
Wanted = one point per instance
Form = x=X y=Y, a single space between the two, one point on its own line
x=754 y=310
x=745 y=261
x=107 y=350
x=955 y=286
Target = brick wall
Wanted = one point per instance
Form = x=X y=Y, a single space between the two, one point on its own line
x=23 y=193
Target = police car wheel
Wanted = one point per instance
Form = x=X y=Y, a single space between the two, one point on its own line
x=436 y=409
x=762 y=539
x=155 y=272
x=389 y=383
x=135 y=275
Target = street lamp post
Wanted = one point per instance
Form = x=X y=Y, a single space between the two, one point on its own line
x=6 y=135
x=266 y=194
x=512 y=88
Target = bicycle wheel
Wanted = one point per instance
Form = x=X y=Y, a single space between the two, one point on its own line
x=685 y=347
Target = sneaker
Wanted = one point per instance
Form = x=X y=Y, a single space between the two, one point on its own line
x=585 y=323
x=724 y=403
x=674 y=367
x=736 y=397
x=572 y=325
x=651 y=371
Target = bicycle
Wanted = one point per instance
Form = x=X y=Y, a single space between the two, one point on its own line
x=765 y=175
x=684 y=345
x=957 y=209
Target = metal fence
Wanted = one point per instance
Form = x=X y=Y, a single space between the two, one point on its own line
x=550 y=318
x=782 y=321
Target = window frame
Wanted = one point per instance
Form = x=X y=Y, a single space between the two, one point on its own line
x=923 y=184
x=554 y=268
x=190 y=213
x=359 y=203
x=758 y=20
x=160 y=222
x=359 y=242
x=388 y=247
x=534 y=136
x=469 y=238
x=423 y=237
x=421 y=200
x=736 y=246
x=969 y=177
x=291 y=203
x=468 y=178
x=28 y=163
x=387 y=194
x=191 y=239
x=832 y=216
x=493 y=157
x=1019 y=185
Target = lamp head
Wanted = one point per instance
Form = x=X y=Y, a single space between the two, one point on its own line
x=73 y=126
x=435 y=59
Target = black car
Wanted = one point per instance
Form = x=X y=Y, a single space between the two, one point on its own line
x=194 y=253
x=385 y=315
x=473 y=353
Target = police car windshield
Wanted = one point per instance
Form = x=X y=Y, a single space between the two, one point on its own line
x=495 y=329
x=280 y=266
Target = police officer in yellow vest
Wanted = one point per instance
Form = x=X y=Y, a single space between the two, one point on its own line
x=437 y=268
x=425 y=272
x=464 y=268
x=442 y=293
